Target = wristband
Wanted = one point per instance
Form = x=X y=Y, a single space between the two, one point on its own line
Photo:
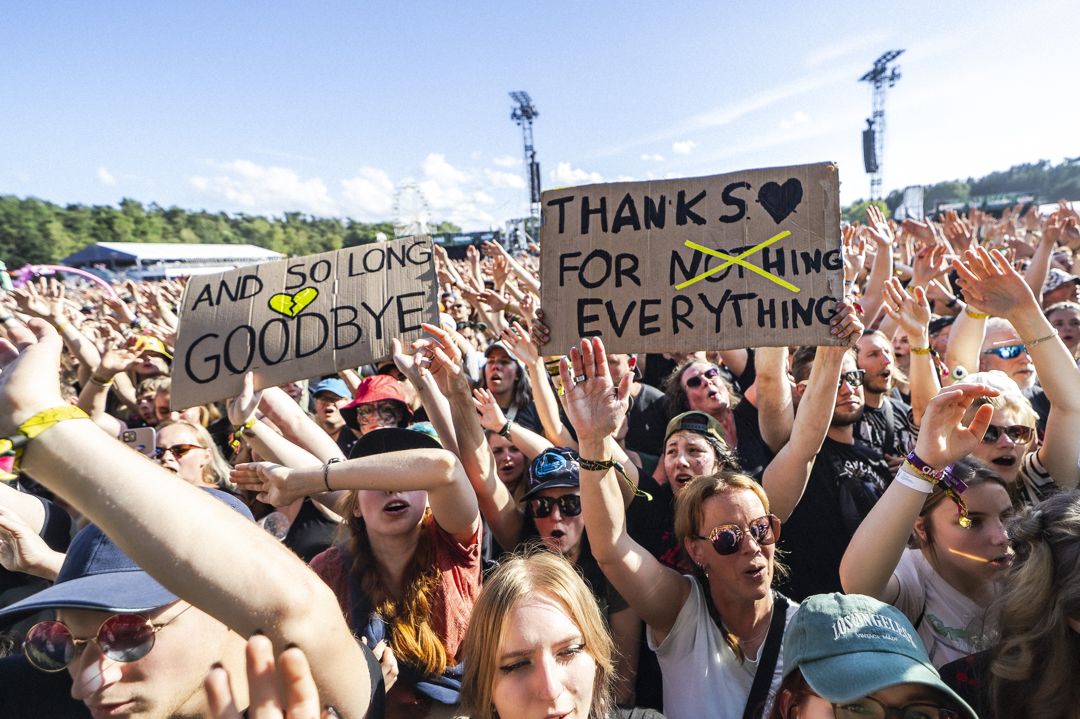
x=975 y=315
x=35 y=425
x=505 y=431
x=919 y=350
x=595 y=465
x=1047 y=338
x=326 y=472
x=101 y=382
x=911 y=481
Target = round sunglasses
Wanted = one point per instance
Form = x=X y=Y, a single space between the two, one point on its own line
x=698 y=380
x=569 y=505
x=177 y=450
x=50 y=645
x=728 y=538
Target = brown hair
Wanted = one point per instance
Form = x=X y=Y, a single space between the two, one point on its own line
x=678 y=402
x=1033 y=673
x=411 y=635
x=517 y=578
x=971 y=473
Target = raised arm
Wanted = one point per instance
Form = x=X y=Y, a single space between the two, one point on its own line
x=871 y=558
x=492 y=418
x=296 y=425
x=776 y=410
x=877 y=227
x=911 y=311
x=786 y=475
x=991 y=282
x=520 y=344
x=162 y=523
x=654 y=591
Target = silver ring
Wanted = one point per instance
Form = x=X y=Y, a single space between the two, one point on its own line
x=580 y=378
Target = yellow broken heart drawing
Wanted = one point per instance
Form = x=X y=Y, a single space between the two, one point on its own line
x=292 y=305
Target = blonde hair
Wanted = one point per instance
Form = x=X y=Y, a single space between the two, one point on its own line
x=1034 y=670
x=216 y=471
x=518 y=578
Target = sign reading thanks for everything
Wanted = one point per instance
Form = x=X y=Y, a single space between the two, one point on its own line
x=746 y=259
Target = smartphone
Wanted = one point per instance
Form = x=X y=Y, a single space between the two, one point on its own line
x=142 y=439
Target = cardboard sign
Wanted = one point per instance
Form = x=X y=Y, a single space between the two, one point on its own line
x=748 y=259
x=300 y=317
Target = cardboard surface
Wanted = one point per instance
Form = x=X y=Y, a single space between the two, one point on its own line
x=746 y=259
x=300 y=317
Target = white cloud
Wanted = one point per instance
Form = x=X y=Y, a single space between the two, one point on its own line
x=106 y=177
x=564 y=175
x=259 y=188
x=483 y=198
x=683 y=147
x=507 y=161
x=437 y=168
x=652 y=157
x=369 y=195
x=797 y=118
x=508 y=180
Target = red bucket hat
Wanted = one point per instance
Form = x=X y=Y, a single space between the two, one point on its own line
x=375 y=389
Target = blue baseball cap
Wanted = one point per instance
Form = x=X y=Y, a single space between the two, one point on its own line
x=555 y=467
x=333 y=385
x=849 y=646
x=97 y=575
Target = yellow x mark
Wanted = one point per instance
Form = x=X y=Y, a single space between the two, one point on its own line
x=738 y=260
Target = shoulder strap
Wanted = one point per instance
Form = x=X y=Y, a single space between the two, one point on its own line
x=890 y=425
x=759 y=690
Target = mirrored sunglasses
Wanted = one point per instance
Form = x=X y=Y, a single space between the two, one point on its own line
x=177 y=450
x=569 y=505
x=698 y=380
x=1007 y=352
x=852 y=377
x=728 y=538
x=1017 y=434
x=50 y=645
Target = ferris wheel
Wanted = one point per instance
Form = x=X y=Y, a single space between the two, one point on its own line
x=411 y=211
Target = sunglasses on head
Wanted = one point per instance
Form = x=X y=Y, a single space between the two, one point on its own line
x=728 y=538
x=852 y=377
x=698 y=380
x=1017 y=434
x=177 y=450
x=569 y=505
x=1007 y=352
x=50 y=646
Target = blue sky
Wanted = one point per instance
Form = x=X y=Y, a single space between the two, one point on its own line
x=327 y=107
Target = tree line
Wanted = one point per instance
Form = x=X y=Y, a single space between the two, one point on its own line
x=40 y=232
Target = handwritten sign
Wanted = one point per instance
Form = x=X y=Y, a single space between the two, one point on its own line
x=748 y=259
x=300 y=317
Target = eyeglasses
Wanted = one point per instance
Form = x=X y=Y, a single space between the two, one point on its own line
x=569 y=505
x=1007 y=352
x=1017 y=433
x=50 y=646
x=698 y=380
x=728 y=538
x=852 y=377
x=871 y=708
x=177 y=450
x=386 y=409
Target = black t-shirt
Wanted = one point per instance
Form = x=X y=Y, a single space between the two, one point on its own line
x=1041 y=404
x=648 y=421
x=752 y=451
x=873 y=428
x=311 y=531
x=844 y=484
x=27 y=692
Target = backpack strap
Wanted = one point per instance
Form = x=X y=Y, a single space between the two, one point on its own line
x=759 y=690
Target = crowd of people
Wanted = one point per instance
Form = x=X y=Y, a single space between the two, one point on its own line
x=483 y=525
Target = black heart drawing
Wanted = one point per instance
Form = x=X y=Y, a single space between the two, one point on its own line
x=780 y=200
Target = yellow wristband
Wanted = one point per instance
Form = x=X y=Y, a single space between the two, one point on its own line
x=975 y=315
x=48 y=418
x=919 y=350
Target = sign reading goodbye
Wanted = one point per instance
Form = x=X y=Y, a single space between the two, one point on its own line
x=300 y=317
x=747 y=259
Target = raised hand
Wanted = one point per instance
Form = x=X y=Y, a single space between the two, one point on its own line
x=879 y=230
x=520 y=344
x=541 y=334
x=241 y=408
x=277 y=689
x=29 y=372
x=493 y=299
x=910 y=310
x=115 y=361
x=854 y=253
x=595 y=407
x=990 y=282
x=270 y=481
x=942 y=438
x=443 y=358
x=23 y=550
x=491 y=415
x=929 y=264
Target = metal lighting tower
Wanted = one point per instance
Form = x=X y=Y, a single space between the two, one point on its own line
x=523 y=115
x=874 y=134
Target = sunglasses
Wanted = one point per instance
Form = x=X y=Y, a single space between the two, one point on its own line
x=569 y=505
x=1017 y=434
x=1007 y=352
x=698 y=380
x=852 y=377
x=728 y=538
x=177 y=450
x=871 y=708
x=50 y=646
